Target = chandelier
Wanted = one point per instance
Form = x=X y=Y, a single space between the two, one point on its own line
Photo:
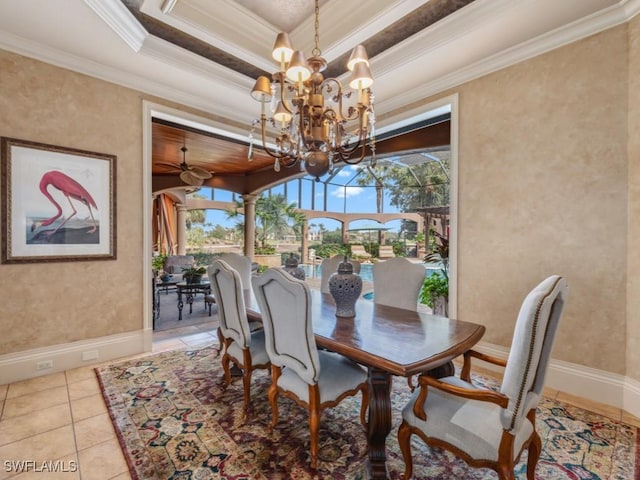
x=316 y=126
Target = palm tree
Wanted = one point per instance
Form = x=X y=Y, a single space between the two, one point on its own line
x=274 y=217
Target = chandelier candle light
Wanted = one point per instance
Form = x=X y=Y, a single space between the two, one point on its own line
x=309 y=109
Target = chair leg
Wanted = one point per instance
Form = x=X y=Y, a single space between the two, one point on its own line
x=246 y=383
x=226 y=359
x=535 y=447
x=246 y=379
x=273 y=395
x=225 y=367
x=404 y=441
x=505 y=472
x=314 y=423
x=220 y=338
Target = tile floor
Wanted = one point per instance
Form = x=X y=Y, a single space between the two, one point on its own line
x=60 y=423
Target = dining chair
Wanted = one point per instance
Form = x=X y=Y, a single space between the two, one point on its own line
x=315 y=379
x=397 y=282
x=488 y=428
x=244 y=347
x=329 y=266
x=242 y=264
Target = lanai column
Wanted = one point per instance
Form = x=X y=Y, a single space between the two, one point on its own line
x=249 y=224
x=304 y=242
x=182 y=228
x=345 y=234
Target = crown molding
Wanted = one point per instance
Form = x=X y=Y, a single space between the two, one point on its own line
x=439 y=34
x=340 y=31
x=120 y=20
x=169 y=53
x=631 y=8
x=205 y=95
x=230 y=19
x=590 y=25
x=81 y=65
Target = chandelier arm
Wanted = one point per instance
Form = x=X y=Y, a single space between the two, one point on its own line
x=356 y=161
x=283 y=97
x=263 y=129
x=289 y=162
x=325 y=83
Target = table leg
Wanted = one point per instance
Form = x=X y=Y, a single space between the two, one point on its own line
x=190 y=301
x=180 y=305
x=379 y=424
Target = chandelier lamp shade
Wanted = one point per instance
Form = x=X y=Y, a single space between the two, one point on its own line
x=319 y=121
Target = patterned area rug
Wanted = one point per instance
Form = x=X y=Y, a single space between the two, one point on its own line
x=176 y=420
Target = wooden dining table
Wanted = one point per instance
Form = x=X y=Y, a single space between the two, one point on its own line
x=388 y=341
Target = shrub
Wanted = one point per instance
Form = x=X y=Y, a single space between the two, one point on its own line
x=435 y=285
x=265 y=250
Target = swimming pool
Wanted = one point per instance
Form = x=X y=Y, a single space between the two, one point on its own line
x=366 y=270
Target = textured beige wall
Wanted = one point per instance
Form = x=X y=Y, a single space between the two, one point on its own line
x=47 y=304
x=543 y=190
x=633 y=292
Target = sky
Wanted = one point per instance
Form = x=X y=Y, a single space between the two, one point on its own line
x=344 y=196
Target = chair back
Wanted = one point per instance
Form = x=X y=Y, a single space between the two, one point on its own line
x=241 y=264
x=232 y=314
x=329 y=266
x=285 y=305
x=531 y=347
x=397 y=283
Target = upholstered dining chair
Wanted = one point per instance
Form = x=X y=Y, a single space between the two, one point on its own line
x=241 y=264
x=242 y=346
x=397 y=282
x=488 y=428
x=329 y=266
x=315 y=379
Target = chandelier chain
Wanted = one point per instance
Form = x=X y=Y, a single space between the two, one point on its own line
x=316 y=50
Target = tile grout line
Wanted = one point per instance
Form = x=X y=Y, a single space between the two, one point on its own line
x=73 y=426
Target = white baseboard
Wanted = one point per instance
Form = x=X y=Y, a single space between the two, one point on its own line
x=590 y=383
x=58 y=358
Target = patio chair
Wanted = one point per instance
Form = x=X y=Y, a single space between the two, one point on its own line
x=488 y=428
x=315 y=379
x=242 y=346
x=329 y=266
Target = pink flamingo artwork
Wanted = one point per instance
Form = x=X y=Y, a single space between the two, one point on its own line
x=70 y=189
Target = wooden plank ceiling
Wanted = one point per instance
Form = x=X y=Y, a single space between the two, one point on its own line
x=226 y=159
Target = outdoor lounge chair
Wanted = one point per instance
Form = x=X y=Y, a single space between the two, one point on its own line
x=386 y=251
x=359 y=251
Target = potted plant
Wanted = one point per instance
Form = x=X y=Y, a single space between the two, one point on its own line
x=435 y=289
x=157 y=263
x=193 y=274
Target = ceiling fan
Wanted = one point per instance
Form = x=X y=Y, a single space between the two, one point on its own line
x=190 y=174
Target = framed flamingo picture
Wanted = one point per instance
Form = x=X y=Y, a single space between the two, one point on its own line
x=58 y=204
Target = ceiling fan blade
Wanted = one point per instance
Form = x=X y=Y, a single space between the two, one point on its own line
x=199 y=172
x=172 y=165
x=190 y=179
